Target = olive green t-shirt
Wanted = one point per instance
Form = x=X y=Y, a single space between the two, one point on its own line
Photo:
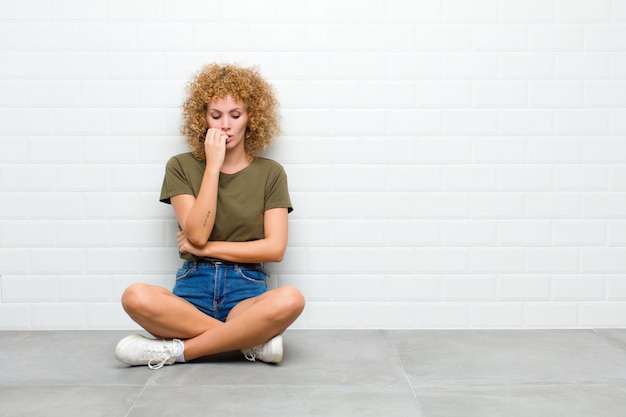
x=242 y=197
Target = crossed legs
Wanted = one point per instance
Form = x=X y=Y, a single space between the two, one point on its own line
x=251 y=322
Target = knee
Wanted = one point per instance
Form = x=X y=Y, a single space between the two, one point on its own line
x=136 y=299
x=291 y=303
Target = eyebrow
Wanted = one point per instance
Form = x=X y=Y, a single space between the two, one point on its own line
x=231 y=110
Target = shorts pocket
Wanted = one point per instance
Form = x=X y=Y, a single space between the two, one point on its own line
x=252 y=275
x=184 y=272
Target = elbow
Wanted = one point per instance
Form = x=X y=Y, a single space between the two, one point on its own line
x=277 y=255
x=198 y=241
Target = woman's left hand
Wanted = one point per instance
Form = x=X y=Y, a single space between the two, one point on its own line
x=184 y=246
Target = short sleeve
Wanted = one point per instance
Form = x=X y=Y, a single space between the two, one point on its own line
x=277 y=190
x=175 y=181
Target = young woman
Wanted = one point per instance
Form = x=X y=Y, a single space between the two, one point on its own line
x=232 y=207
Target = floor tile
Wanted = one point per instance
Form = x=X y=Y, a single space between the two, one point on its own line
x=509 y=356
x=67 y=401
x=523 y=401
x=65 y=358
x=277 y=401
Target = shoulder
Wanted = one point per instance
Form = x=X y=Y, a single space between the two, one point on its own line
x=268 y=165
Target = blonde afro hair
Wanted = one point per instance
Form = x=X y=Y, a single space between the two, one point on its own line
x=216 y=81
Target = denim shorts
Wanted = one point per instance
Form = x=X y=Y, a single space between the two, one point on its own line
x=215 y=288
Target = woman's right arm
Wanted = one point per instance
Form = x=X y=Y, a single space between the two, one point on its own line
x=196 y=216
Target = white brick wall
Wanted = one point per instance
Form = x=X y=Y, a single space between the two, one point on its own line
x=453 y=163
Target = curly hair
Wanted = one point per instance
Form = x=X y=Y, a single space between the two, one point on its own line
x=216 y=81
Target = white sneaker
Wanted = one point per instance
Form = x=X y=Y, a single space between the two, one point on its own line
x=138 y=350
x=270 y=351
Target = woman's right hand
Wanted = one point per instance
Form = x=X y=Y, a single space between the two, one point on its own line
x=215 y=148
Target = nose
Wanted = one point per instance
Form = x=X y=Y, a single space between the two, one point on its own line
x=225 y=124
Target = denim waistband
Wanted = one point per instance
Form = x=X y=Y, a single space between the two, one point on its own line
x=208 y=263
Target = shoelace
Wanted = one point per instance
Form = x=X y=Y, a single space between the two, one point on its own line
x=250 y=354
x=165 y=355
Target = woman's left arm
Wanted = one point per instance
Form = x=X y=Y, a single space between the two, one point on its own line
x=269 y=249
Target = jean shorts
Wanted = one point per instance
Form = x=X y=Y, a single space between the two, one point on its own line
x=215 y=287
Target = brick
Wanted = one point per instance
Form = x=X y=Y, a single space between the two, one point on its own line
x=351 y=65
x=605 y=37
x=469 y=233
x=442 y=260
x=617 y=232
x=415 y=122
x=604 y=149
x=107 y=37
x=602 y=314
x=507 y=315
x=603 y=260
x=466 y=178
x=616 y=287
x=526 y=65
x=81 y=233
x=605 y=93
x=583 y=10
x=476 y=65
x=403 y=233
x=552 y=260
x=385 y=205
x=579 y=287
x=78 y=10
x=109 y=93
x=58 y=316
x=583 y=65
x=525 y=177
x=499 y=149
x=472 y=287
x=581 y=177
x=556 y=37
x=54 y=205
x=415 y=66
x=441 y=205
x=443 y=37
x=27 y=178
x=146 y=9
x=524 y=233
x=524 y=287
x=554 y=149
x=497 y=205
x=552 y=315
x=359 y=178
x=411 y=11
x=499 y=37
x=413 y=288
x=556 y=94
x=500 y=260
x=26 y=122
x=472 y=11
x=471 y=122
x=303 y=232
x=135 y=65
x=554 y=205
x=51 y=36
x=443 y=315
x=33 y=10
x=79 y=65
x=387 y=94
x=82 y=178
x=579 y=233
x=526 y=11
x=531 y=122
x=358 y=233
x=56 y=261
x=581 y=122
x=80 y=121
x=499 y=94
x=164 y=36
x=25 y=234
x=443 y=94
x=29 y=289
x=603 y=205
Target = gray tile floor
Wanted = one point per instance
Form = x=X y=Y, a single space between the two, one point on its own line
x=503 y=373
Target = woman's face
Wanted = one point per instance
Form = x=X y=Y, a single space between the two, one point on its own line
x=230 y=116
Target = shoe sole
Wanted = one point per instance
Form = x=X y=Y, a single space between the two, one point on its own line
x=279 y=355
x=123 y=343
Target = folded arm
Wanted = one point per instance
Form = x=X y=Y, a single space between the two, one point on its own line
x=269 y=249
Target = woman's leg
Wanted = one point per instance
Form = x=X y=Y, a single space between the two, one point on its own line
x=251 y=322
x=164 y=314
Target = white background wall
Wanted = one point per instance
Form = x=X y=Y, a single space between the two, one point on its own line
x=453 y=163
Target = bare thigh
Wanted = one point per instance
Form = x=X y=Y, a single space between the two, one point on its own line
x=164 y=314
